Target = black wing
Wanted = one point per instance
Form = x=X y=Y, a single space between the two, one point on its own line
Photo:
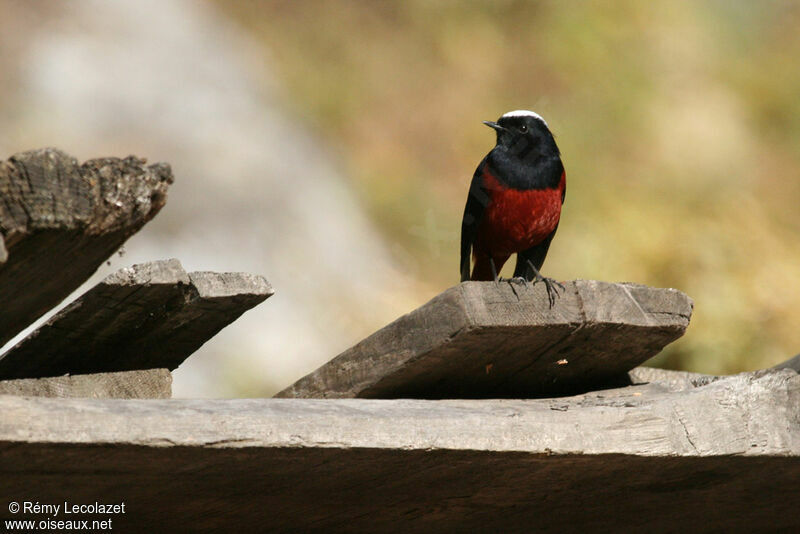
x=477 y=200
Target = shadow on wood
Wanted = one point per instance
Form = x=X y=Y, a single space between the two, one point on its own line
x=640 y=458
x=60 y=220
x=482 y=340
x=148 y=316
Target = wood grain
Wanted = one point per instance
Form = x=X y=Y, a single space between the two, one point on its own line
x=724 y=457
x=482 y=340
x=60 y=220
x=149 y=384
x=148 y=316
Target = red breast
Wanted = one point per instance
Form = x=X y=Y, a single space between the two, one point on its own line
x=516 y=220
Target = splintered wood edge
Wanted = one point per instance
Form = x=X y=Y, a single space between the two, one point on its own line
x=169 y=271
x=214 y=285
x=79 y=214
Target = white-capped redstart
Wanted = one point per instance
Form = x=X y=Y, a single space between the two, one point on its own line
x=514 y=202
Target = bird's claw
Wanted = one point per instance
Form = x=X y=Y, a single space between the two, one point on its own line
x=519 y=280
x=549 y=284
x=515 y=280
x=552 y=288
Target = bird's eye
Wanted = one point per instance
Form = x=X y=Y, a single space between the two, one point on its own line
x=523 y=128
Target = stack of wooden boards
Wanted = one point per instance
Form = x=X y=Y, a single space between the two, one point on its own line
x=58 y=222
x=483 y=410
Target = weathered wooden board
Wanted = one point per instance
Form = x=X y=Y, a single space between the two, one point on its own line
x=148 y=316
x=479 y=339
x=724 y=457
x=671 y=380
x=791 y=363
x=60 y=220
x=148 y=384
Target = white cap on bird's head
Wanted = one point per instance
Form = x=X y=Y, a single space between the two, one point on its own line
x=523 y=113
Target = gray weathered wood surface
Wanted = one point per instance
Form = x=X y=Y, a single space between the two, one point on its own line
x=724 y=457
x=60 y=220
x=791 y=363
x=670 y=380
x=148 y=316
x=479 y=339
x=148 y=384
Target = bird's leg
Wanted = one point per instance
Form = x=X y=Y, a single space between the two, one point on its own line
x=550 y=284
x=494 y=271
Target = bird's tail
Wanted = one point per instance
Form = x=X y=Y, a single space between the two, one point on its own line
x=483 y=267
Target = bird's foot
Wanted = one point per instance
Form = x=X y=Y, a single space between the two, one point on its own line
x=515 y=280
x=519 y=280
x=549 y=283
x=552 y=287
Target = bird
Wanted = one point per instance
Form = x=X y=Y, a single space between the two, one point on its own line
x=514 y=203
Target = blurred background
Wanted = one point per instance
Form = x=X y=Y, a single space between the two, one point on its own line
x=329 y=146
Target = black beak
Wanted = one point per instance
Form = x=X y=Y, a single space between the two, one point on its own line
x=494 y=125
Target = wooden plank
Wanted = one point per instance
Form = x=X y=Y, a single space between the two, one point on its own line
x=148 y=384
x=479 y=340
x=672 y=380
x=60 y=220
x=791 y=363
x=148 y=316
x=631 y=459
